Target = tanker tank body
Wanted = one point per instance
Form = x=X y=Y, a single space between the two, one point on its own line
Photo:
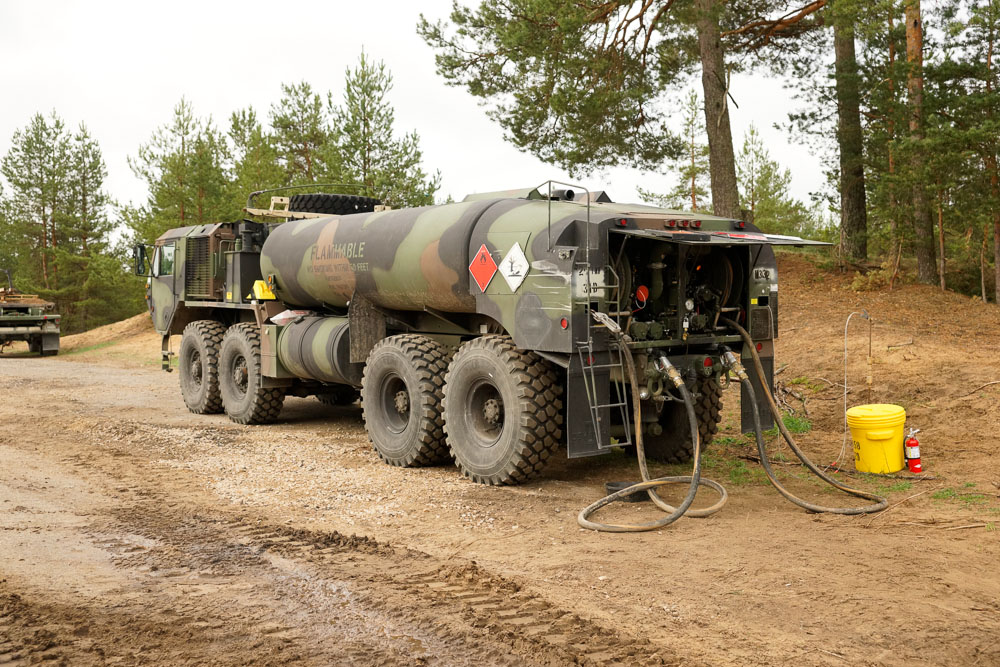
x=412 y=262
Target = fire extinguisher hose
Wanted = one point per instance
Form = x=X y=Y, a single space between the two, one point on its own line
x=880 y=502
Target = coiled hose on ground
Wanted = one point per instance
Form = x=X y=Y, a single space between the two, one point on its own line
x=880 y=502
x=647 y=484
x=695 y=479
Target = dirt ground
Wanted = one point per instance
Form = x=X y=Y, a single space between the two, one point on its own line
x=132 y=531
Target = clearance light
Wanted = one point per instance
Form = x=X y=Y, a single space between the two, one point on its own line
x=623 y=222
x=564 y=323
x=684 y=223
x=760 y=346
x=671 y=223
x=696 y=223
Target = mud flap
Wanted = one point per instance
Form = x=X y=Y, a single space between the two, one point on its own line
x=767 y=361
x=582 y=438
x=50 y=343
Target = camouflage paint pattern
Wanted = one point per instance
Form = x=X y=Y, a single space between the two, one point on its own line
x=318 y=348
x=417 y=259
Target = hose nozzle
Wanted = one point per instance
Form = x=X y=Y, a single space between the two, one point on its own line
x=733 y=364
x=663 y=365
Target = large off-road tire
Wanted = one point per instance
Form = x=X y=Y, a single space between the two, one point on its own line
x=674 y=444
x=401 y=394
x=332 y=204
x=243 y=398
x=502 y=411
x=339 y=395
x=198 y=363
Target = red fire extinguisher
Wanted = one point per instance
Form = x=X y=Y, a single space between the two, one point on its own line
x=911 y=449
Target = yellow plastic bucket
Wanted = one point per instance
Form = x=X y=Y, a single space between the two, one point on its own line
x=877 y=432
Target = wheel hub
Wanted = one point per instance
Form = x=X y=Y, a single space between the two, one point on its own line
x=486 y=413
x=196 y=368
x=241 y=375
x=491 y=411
x=402 y=402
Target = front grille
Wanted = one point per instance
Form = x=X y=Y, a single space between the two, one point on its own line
x=198 y=274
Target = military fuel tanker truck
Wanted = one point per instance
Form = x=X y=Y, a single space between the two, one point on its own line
x=478 y=331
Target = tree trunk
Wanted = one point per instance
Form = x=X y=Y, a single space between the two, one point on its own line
x=853 y=205
x=923 y=226
x=991 y=163
x=982 y=264
x=694 y=176
x=891 y=132
x=722 y=162
x=940 y=212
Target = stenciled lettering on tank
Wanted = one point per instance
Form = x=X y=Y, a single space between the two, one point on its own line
x=334 y=264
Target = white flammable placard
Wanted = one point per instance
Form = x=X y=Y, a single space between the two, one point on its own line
x=514 y=267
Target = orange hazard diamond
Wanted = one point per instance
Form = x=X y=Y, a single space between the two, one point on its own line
x=483 y=268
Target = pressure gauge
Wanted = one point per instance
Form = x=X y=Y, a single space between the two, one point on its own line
x=689 y=304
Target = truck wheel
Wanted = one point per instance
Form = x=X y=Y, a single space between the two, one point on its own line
x=332 y=204
x=502 y=411
x=339 y=395
x=401 y=394
x=674 y=444
x=198 y=363
x=245 y=401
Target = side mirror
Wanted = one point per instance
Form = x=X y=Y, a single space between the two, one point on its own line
x=139 y=260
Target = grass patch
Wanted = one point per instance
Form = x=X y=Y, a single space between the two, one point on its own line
x=797 y=424
x=793 y=423
x=967 y=499
x=89 y=348
x=740 y=474
x=727 y=440
x=809 y=383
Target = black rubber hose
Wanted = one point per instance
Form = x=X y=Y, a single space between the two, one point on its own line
x=880 y=502
x=648 y=484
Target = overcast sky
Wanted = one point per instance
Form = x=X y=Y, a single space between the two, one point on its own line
x=120 y=67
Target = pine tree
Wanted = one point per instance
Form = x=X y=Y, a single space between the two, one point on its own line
x=764 y=189
x=256 y=164
x=302 y=135
x=183 y=165
x=691 y=190
x=386 y=167
x=37 y=169
x=56 y=226
x=87 y=232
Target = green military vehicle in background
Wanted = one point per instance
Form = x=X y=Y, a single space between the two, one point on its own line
x=28 y=318
x=479 y=331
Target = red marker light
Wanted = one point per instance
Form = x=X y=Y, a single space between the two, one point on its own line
x=623 y=222
x=708 y=362
x=671 y=223
x=684 y=223
x=760 y=346
x=696 y=223
x=564 y=323
x=642 y=293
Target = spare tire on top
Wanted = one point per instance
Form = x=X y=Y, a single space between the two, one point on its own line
x=332 y=204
